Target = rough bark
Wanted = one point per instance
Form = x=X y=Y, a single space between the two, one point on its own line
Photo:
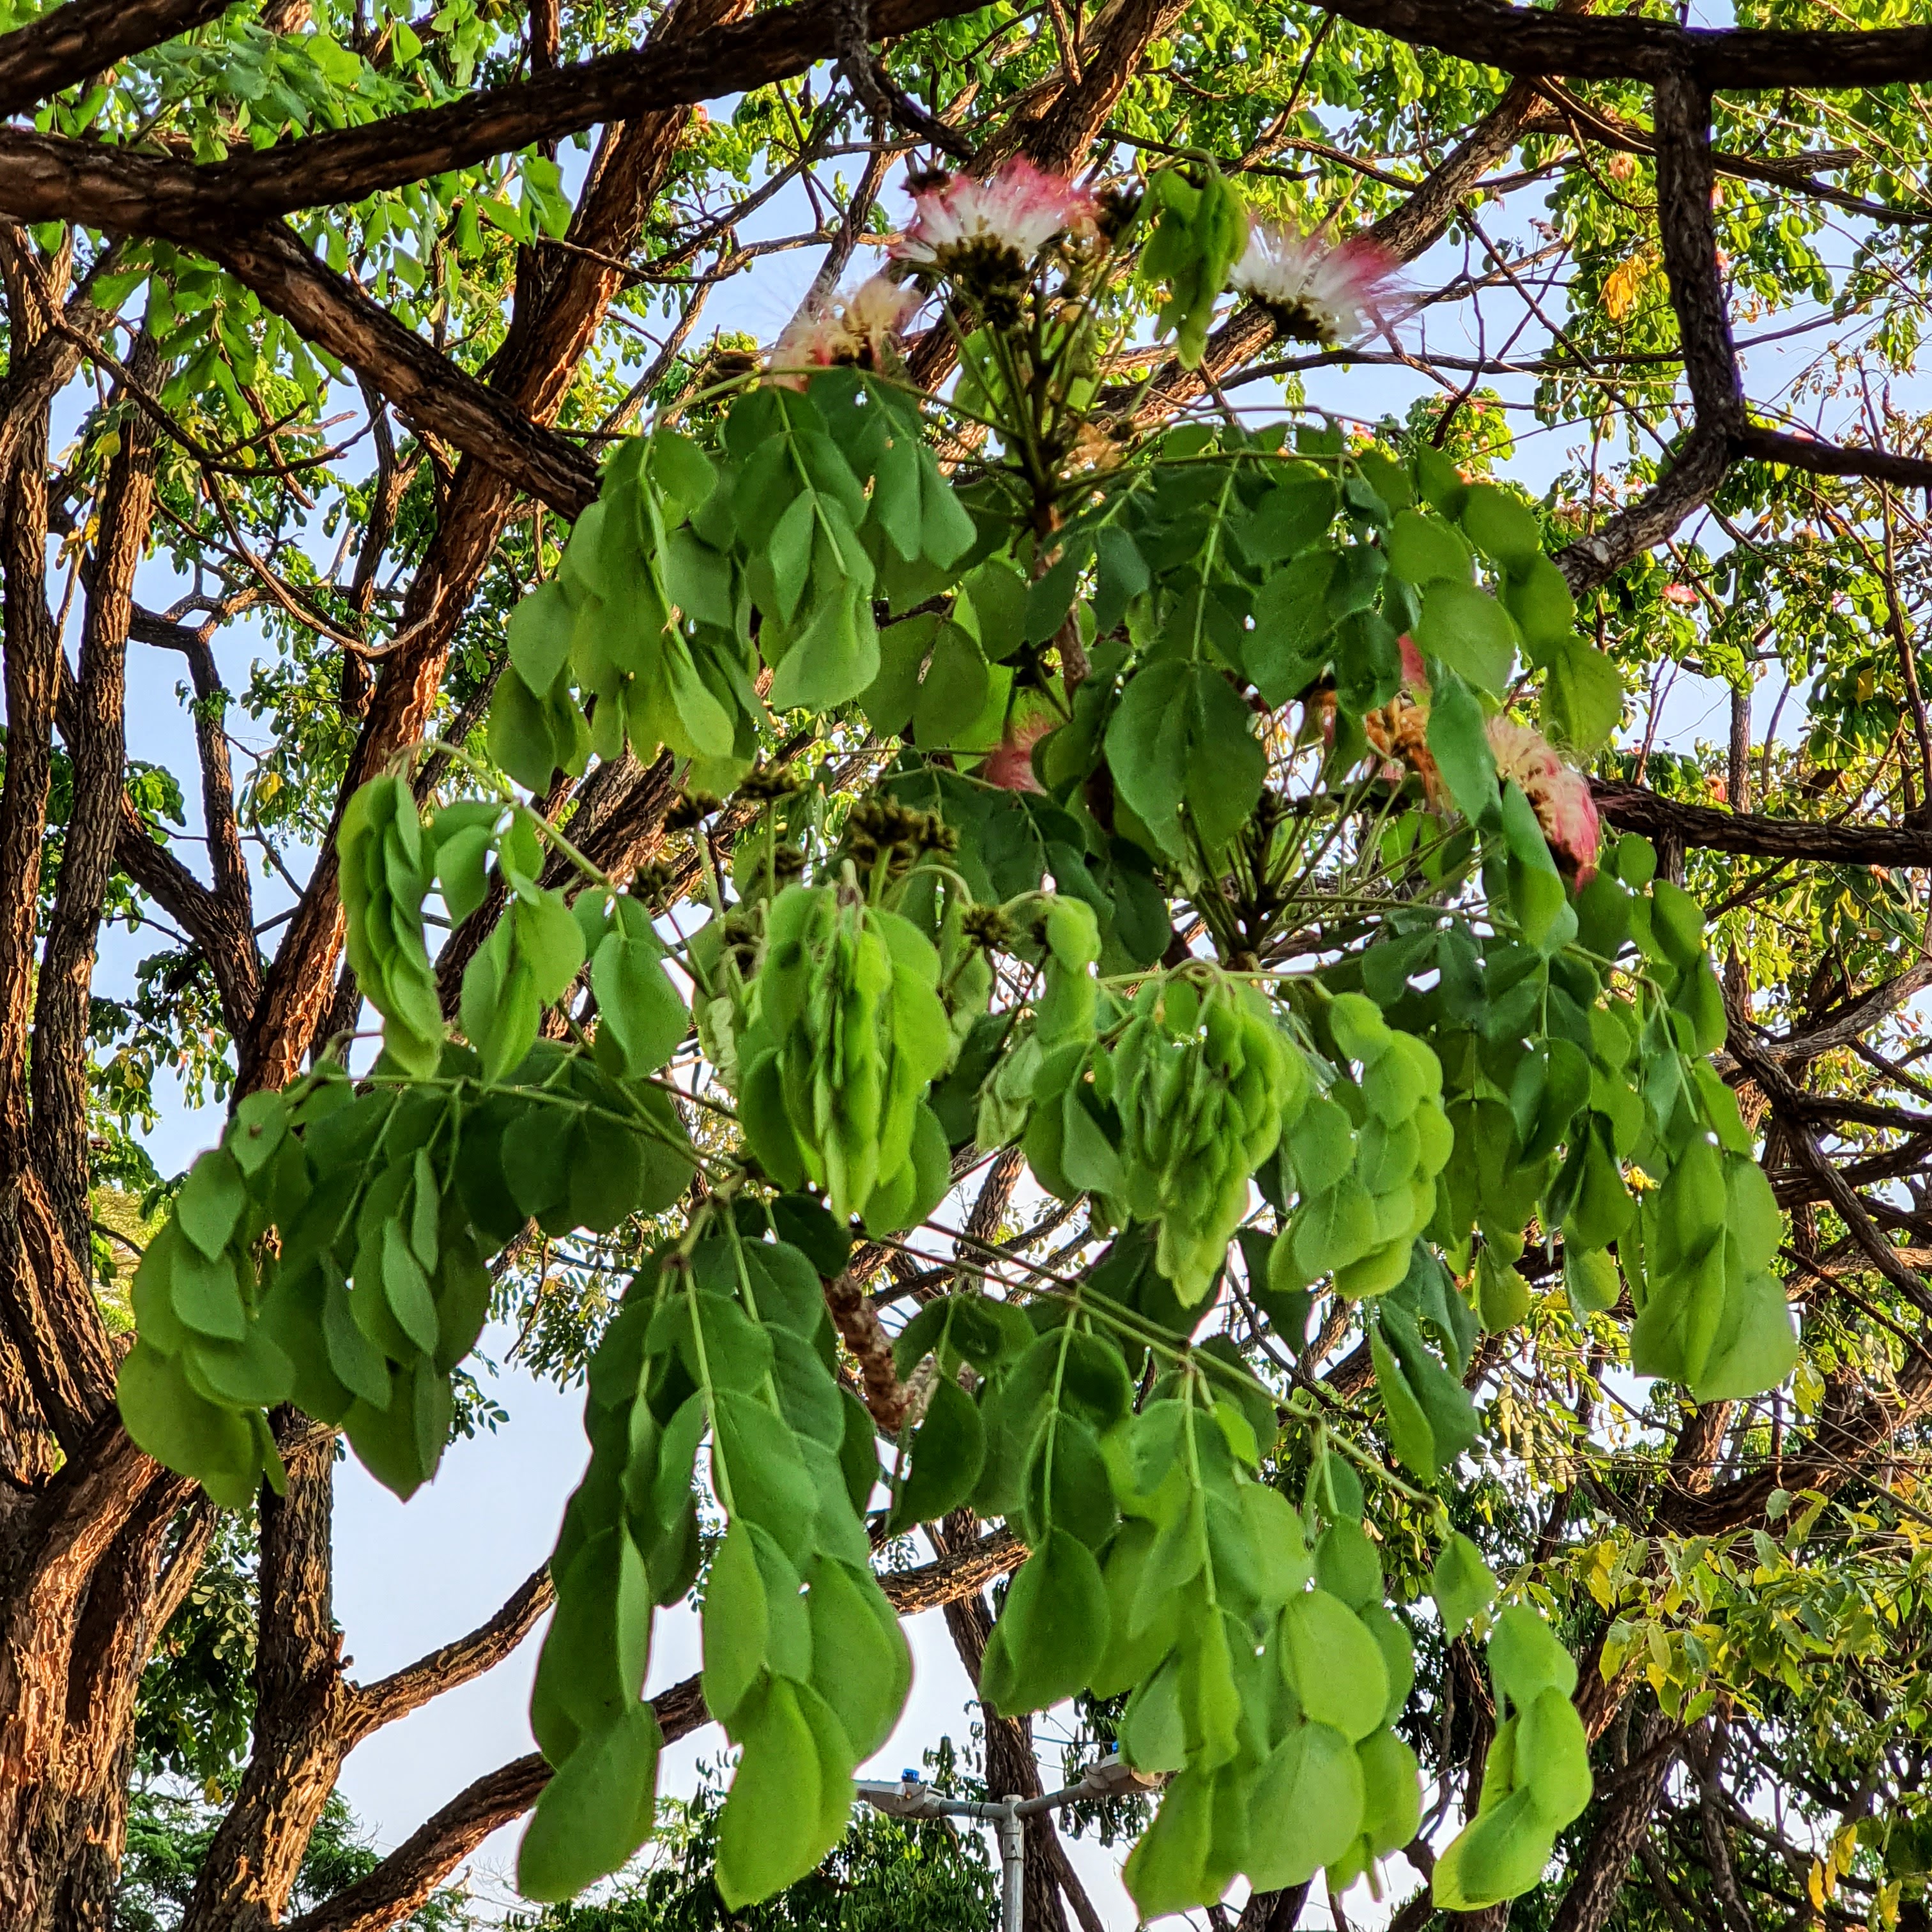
x=1597 y=1878
x=302 y=1702
x=551 y=327
x=95 y=727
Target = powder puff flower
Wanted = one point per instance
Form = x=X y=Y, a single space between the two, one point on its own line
x=1316 y=293
x=1009 y=764
x=876 y=314
x=860 y=329
x=1559 y=796
x=814 y=339
x=992 y=229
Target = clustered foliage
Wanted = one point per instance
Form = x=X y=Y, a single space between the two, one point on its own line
x=1229 y=683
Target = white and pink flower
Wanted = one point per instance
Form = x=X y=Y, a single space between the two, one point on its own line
x=965 y=222
x=1559 y=796
x=1316 y=293
x=861 y=329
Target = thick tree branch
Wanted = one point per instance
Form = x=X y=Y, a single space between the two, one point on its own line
x=1521 y=40
x=126 y=192
x=94 y=726
x=1705 y=828
x=561 y=297
x=67 y=44
x=225 y=940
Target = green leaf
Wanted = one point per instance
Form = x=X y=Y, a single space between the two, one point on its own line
x=861 y=1665
x=1470 y=632
x=1293 y=627
x=597 y=1810
x=836 y=656
x=1051 y=1631
x=1462 y=1583
x=1502 y=528
x=1500 y=1855
x=251 y=1373
x=1306 y=1808
x=736 y=1621
x=1422 y=547
x=461 y=870
x=211 y=1201
x=1756 y=1347
x=539 y=633
x=1525 y=1659
x=261 y=1119
x=1226 y=766
x=637 y=1003
x=185 y=1431
x=1409 y=1431
x=407 y=1288
x=947 y=1453
x=1536 y=595
x=202 y=1293
x=789 y=552
x=1333 y=1664
x=1583 y=697
x=947 y=530
x=952 y=693
x=1347 y=1566
x=1148 y=756
x=1333 y=1228
x=1552 y=1758
x=768 y=1835
x=549 y=942
x=1459 y=740
x=1087 y=1158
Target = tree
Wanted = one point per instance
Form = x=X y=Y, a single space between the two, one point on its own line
x=232 y=223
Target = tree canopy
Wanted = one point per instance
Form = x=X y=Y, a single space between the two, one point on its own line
x=1079 y=978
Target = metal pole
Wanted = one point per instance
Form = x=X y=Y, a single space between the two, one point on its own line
x=1013 y=1870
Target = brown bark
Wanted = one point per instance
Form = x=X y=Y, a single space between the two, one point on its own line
x=95 y=727
x=1597 y=1878
x=552 y=326
x=32 y=686
x=1274 y=1911
x=67 y=43
x=300 y=1704
x=47 y=1313
x=99 y=1525
x=1520 y=41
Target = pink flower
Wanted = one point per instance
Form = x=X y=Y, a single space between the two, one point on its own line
x=1679 y=593
x=812 y=340
x=1012 y=218
x=1559 y=796
x=1009 y=764
x=1316 y=293
x=860 y=327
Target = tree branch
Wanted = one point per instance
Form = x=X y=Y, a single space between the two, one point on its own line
x=1624 y=46
x=123 y=191
x=373 y=1705
x=1704 y=828
x=67 y=44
